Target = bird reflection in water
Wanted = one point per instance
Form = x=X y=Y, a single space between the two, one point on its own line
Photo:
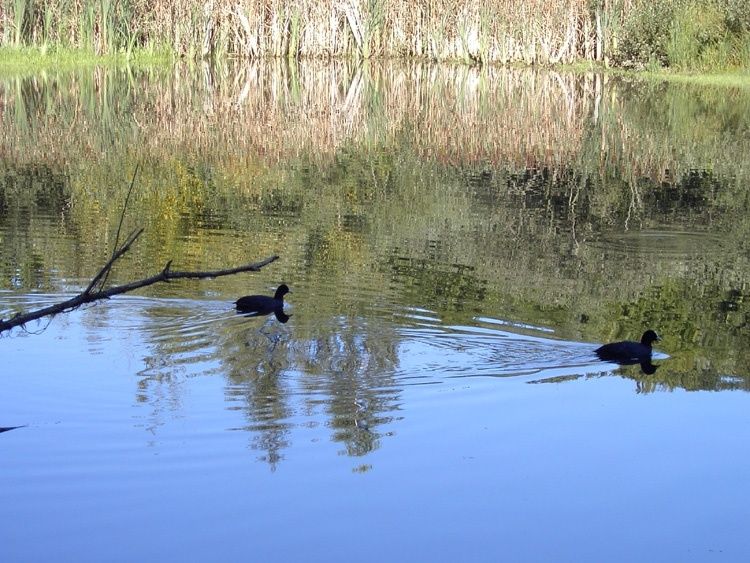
x=279 y=314
x=646 y=366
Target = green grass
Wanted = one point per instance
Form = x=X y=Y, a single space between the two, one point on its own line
x=582 y=66
x=31 y=59
x=739 y=79
x=729 y=78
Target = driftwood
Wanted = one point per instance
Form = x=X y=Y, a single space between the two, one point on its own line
x=94 y=291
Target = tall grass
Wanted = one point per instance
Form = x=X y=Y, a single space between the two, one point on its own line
x=19 y=20
x=536 y=31
x=680 y=33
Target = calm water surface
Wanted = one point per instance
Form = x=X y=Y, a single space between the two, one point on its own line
x=457 y=245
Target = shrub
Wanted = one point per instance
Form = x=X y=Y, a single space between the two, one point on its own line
x=685 y=34
x=737 y=16
x=645 y=33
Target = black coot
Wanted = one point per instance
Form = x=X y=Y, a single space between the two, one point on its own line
x=264 y=305
x=628 y=352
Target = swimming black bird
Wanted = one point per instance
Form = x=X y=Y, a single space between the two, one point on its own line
x=259 y=305
x=628 y=352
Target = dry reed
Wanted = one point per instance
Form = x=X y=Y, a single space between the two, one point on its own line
x=501 y=31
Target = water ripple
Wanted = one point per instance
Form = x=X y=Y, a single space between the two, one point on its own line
x=444 y=352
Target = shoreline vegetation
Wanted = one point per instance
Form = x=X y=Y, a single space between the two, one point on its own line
x=680 y=35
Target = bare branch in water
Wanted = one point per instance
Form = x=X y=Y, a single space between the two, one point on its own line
x=89 y=294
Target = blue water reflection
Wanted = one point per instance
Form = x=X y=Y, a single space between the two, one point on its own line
x=141 y=429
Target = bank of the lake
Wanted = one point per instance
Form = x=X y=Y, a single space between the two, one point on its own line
x=679 y=34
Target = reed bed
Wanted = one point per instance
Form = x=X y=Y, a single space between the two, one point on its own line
x=502 y=31
x=699 y=34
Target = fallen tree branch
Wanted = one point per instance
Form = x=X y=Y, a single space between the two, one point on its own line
x=88 y=295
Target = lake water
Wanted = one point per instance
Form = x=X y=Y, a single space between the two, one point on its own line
x=457 y=241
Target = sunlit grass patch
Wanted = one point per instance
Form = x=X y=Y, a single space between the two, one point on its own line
x=22 y=60
x=739 y=79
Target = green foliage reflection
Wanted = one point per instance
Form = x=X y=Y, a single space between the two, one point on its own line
x=592 y=205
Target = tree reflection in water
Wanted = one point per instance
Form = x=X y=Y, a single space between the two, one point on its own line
x=343 y=367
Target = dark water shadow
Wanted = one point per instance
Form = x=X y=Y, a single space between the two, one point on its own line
x=279 y=313
x=647 y=368
x=9 y=428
